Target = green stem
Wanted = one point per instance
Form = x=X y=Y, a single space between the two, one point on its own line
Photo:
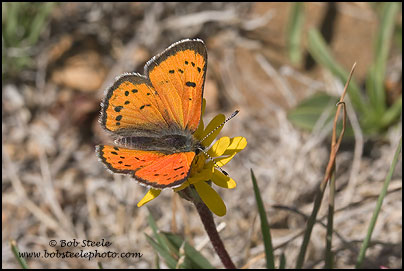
x=16 y=253
x=330 y=224
x=376 y=212
x=310 y=225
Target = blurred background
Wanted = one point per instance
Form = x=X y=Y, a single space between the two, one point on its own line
x=283 y=65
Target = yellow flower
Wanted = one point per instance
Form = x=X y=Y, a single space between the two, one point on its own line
x=203 y=170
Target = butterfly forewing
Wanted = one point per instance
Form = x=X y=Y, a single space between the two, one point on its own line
x=178 y=75
x=131 y=103
x=170 y=95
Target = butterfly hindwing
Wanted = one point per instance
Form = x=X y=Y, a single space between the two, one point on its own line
x=122 y=160
x=168 y=171
x=152 y=168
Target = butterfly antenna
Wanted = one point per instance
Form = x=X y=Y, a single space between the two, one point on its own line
x=217 y=166
x=211 y=132
x=223 y=123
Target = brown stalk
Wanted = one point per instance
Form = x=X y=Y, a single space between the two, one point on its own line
x=336 y=143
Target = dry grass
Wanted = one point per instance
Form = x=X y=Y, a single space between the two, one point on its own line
x=55 y=188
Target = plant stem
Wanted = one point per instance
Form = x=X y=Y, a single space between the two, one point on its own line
x=209 y=224
x=376 y=211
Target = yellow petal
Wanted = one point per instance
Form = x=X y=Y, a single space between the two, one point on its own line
x=219 y=147
x=182 y=186
x=224 y=160
x=214 y=123
x=203 y=106
x=151 y=194
x=211 y=198
x=199 y=130
x=236 y=145
x=222 y=180
x=204 y=175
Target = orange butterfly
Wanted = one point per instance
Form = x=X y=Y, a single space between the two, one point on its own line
x=153 y=117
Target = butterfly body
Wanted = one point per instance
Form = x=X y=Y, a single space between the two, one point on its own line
x=153 y=117
x=182 y=141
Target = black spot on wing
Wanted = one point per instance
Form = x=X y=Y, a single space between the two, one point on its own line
x=143 y=106
x=190 y=84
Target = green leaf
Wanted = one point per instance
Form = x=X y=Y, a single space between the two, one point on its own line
x=329 y=254
x=295 y=31
x=309 y=228
x=308 y=112
x=168 y=258
x=376 y=76
x=266 y=232
x=320 y=52
x=153 y=225
x=197 y=260
x=392 y=113
x=168 y=245
x=39 y=21
x=16 y=253
x=157 y=260
x=398 y=37
x=161 y=239
x=282 y=261
x=22 y=24
x=183 y=262
x=378 y=207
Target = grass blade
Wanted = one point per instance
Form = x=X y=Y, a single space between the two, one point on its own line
x=10 y=17
x=376 y=212
x=320 y=52
x=197 y=260
x=295 y=31
x=157 y=260
x=38 y=21
x=266 y=233
x=330 y=225
x=170 y=260
x=309 y=229
x=392 y=113
x=335 y=143
x=153 y=225
x=182 y=260
x=161 y=239
x=168 y=246
x=375 y=82
x=282 y=261
x=16 y=251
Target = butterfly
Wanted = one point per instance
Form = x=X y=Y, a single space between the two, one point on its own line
x=153 y=117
